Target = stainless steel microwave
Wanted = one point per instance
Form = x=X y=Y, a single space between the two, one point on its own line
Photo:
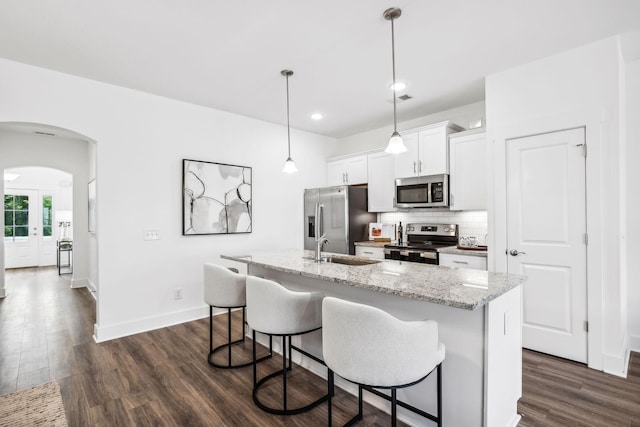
x=430 y=191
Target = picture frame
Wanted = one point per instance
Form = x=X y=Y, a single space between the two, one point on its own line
x=216 y=198
x=92 y=206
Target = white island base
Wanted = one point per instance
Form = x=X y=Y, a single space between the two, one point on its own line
x=482 y=371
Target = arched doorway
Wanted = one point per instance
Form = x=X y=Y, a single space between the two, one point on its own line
x=45 y=146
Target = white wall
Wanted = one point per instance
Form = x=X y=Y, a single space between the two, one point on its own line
x=633 y=201
x=580 y=87
x=377 y=139
x=141 y=140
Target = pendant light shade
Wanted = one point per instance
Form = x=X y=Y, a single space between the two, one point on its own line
x=395 y=145
x=289 y=166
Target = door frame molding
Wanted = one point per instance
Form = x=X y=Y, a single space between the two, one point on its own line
x=595 y=127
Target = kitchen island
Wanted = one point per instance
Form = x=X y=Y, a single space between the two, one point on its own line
x=478 y=315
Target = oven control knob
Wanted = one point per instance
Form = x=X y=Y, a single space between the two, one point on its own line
x=447 y=229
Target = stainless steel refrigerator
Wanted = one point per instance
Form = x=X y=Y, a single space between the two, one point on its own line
x=346 y=219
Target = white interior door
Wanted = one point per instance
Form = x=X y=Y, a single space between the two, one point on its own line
x=546 y=240
x=21 y=228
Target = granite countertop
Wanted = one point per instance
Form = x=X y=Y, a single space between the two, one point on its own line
x=460 y=288
x=469 y=252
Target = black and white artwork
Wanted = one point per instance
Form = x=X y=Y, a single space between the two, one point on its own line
x=216 y=198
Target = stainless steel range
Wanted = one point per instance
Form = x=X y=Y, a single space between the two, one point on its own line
x=422 y=242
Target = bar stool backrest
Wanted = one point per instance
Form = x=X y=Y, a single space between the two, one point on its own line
x=274 y=309
x=366 y=345
x=223 y=287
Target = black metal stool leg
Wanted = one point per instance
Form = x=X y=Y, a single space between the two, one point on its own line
x=394 y=402
x=330 y=390
x=284 y=371
x=229 y=336
x=255 y=369
x=439 y=394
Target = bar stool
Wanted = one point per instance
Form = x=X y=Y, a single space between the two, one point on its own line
x=375 y=350
x=225 y=288
x=276 y=311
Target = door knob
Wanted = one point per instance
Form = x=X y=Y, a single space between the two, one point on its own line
x=514 y=252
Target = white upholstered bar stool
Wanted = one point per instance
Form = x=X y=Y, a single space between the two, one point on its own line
x=371 y=348
x=276 y=311
x=225 y=288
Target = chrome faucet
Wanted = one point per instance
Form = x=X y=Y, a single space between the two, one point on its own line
x=320 y=236
x=320 y=241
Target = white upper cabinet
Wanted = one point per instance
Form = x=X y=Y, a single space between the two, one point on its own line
x=381 y=182
x=406 y=164
x=427 y=150
x=468 y=168
x=349 y=171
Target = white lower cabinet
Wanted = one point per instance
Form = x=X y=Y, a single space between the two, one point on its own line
x=463 y=261
x=370 y=252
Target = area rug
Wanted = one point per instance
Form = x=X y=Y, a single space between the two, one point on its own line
x=38 y=406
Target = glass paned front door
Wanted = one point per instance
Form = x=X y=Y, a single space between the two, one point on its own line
x=16 y=217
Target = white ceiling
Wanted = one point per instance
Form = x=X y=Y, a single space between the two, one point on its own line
x=228 y=55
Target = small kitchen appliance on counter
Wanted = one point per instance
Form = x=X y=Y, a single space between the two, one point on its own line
x=380 y=231
x=422 y=243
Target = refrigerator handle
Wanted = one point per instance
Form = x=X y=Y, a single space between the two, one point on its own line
x=319 y=221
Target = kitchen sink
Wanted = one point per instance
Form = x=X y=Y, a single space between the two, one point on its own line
x=348 y=261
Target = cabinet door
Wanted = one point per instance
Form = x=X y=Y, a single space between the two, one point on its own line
x=336 y=173
x=463 y=261
x=381 y=182
x=406 y=164
x=433 y=151
x=468 y=167
x=356 y=170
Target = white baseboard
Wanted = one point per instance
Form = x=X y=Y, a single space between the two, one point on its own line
x=634 y=343
x=92 y=288
x=79 y=283
x=616 y=365
x=119 y=330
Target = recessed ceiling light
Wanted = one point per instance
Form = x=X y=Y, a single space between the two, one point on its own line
x=317 y=116
x=398 y=86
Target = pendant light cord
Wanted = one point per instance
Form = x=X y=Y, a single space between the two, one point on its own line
x=393 y=62
x=288 y=127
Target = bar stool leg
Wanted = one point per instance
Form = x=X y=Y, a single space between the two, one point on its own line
x=439 y=397
x=284 y=369
x=330 y=391
x=229 y=335
x=394 y=402
x=255 y=368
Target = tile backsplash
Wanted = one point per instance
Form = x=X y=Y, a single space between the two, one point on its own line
x=471 y=223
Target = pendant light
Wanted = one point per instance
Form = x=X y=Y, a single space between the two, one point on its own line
x=289 y=166
x=395 y=145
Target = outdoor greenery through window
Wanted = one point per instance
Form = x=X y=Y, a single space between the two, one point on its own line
x=16 y=217
x=47 y=217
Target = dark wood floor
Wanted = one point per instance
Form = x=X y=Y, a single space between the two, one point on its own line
x=162 y=377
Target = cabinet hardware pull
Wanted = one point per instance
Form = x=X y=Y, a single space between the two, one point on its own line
x=460 y=262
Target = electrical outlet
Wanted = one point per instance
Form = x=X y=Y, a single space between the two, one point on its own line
x=151 y=235
x=177 y=293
